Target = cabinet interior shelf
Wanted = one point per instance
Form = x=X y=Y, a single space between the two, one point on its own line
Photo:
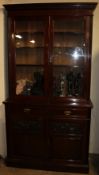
x=54 y=66
x=37 y=65
x=27 y=47
x=69 y=49
x=27 y=33
x=65 y=66
x=68 y=33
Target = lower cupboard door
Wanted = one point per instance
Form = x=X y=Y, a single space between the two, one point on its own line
x=30 y=145
x=66 y=148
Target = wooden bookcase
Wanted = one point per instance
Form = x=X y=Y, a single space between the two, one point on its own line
x=49 y=68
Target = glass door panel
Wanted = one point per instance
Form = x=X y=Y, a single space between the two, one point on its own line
x=29 y=56
x=68 y=51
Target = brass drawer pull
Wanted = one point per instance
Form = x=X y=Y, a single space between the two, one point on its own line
x=27 y=109
x=67 y=112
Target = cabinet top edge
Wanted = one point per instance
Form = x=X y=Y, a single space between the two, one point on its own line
x=81 y=103
x=30 y=6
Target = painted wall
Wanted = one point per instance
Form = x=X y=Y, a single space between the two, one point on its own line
x=2 y=87
x=94 y=133
x=94 y=139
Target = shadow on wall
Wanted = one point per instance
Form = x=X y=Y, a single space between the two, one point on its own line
x=94 y=131
x=2 y=132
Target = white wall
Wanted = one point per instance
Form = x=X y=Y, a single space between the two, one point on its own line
x=94 y=134
x=94 y=141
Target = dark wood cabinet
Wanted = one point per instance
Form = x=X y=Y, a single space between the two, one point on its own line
x=49 y=69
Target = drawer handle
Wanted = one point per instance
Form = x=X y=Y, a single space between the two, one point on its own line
x=67 y=112
x=27 y=110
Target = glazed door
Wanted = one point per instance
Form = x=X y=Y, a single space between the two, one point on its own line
x=68 y=57
x=29 y=48
x=49 y=57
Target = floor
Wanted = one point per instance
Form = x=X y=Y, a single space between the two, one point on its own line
x=4 y=170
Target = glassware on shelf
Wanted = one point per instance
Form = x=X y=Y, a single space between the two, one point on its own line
x=68 y=83
x=74 y=83
x=59 y=85
x=62 y=84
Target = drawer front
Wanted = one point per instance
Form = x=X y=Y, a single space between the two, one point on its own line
x=25 y=112
x=70 y=112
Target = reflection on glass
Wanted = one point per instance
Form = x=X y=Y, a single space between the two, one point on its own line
x=18 y=36
x=68 y=41
x=78 y=52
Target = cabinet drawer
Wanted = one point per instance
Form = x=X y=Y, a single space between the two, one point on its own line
x=25 y=112
x=70 y=112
